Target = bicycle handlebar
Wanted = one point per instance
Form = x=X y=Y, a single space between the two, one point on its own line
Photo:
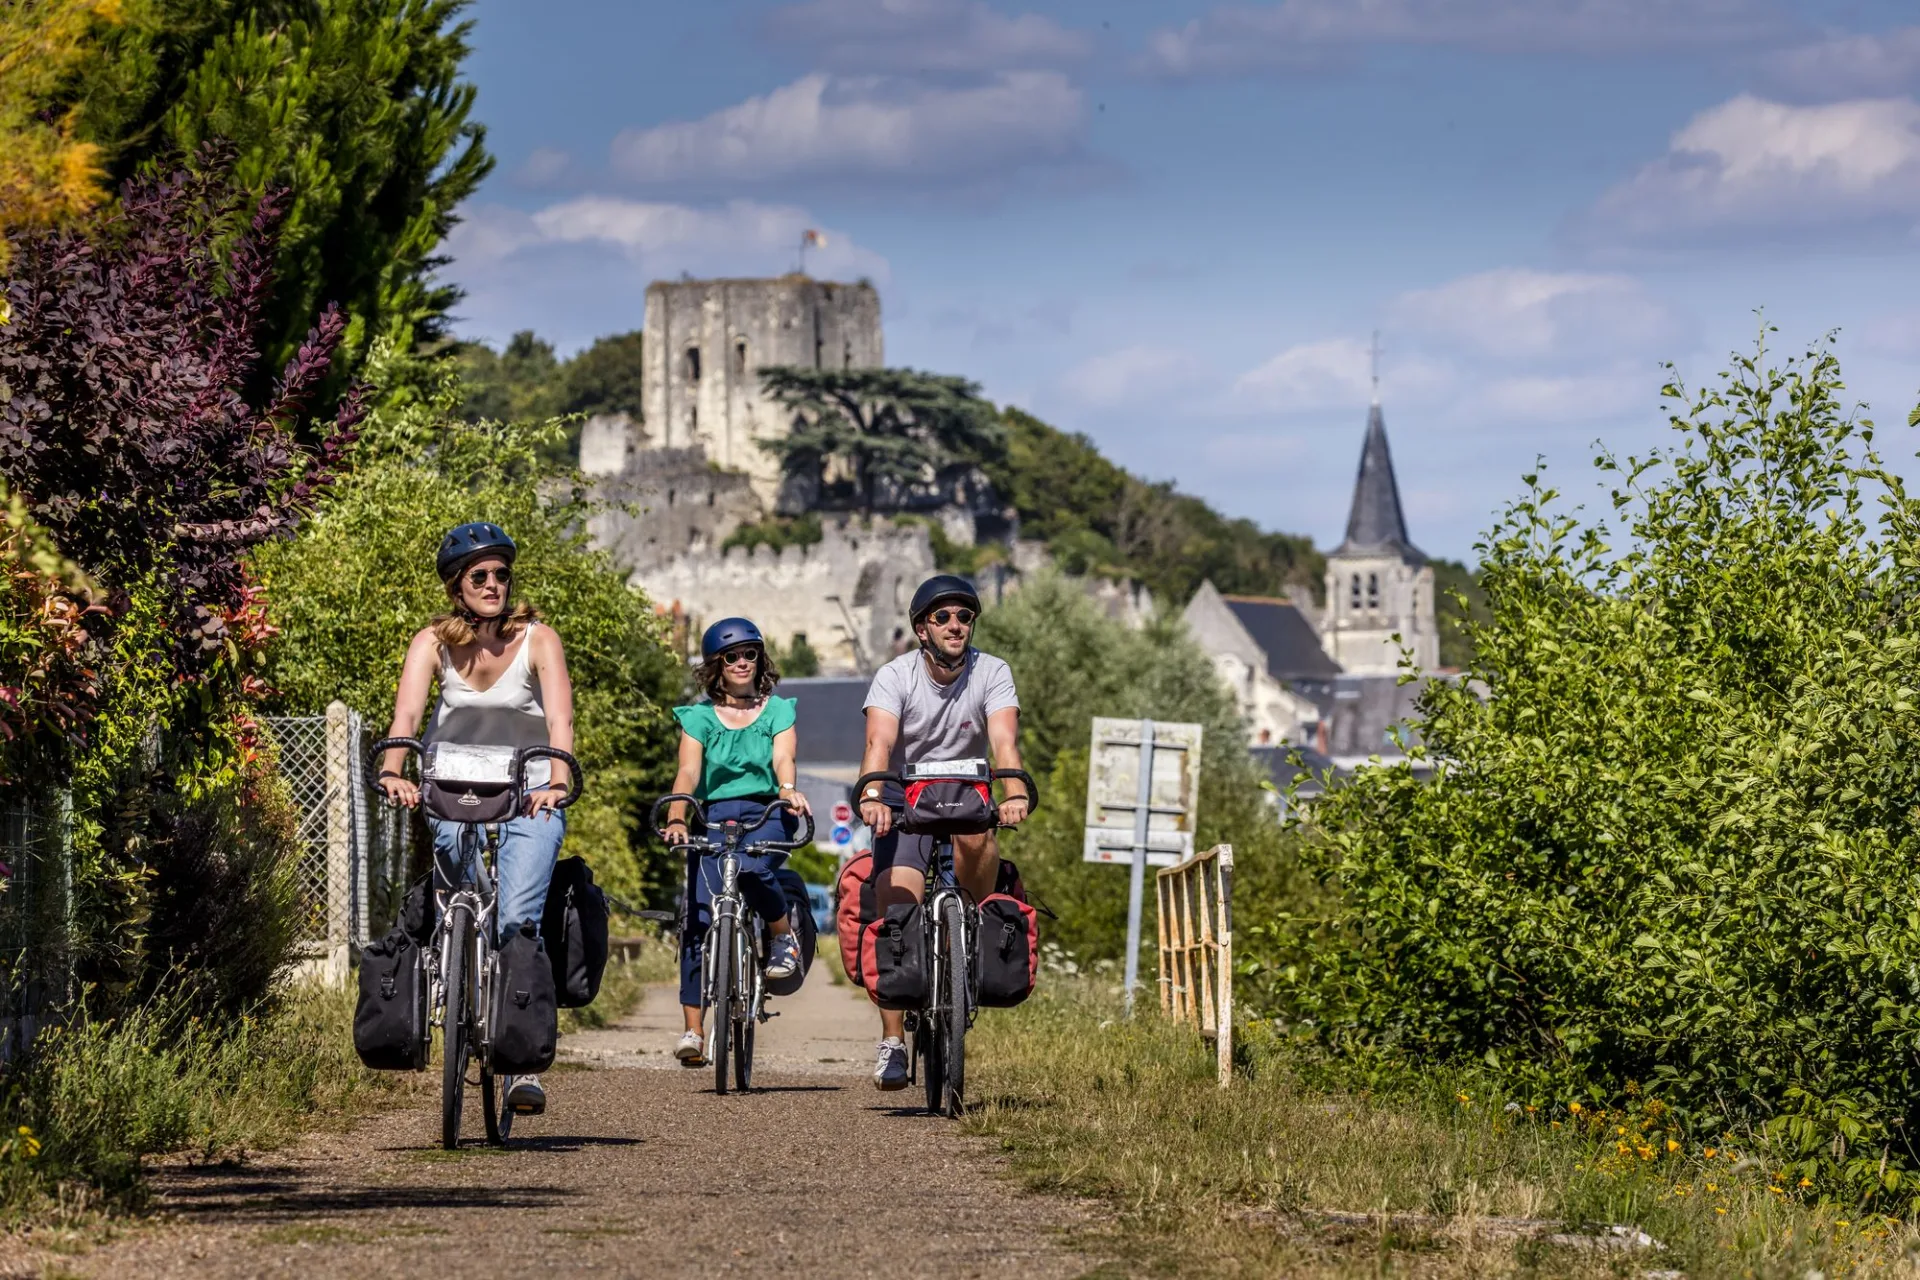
x=993 y=775
x=766 y=811
x=519 y=768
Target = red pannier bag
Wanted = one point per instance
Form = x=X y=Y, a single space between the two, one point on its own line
x=853 y=911
x=1009 y=942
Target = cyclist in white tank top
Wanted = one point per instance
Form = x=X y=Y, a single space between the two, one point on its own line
x=503 y=683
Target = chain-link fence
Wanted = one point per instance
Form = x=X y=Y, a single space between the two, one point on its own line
x=354 y=851
x=36 y=914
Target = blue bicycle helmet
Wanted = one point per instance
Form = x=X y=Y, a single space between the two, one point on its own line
x=729 y=633
x=470 y=541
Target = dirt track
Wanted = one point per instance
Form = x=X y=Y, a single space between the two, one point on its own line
x=638 y=1169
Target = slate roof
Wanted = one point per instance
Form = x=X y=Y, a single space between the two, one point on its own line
x=1365 y=708
x=1277 y=760
x=831 y=717
x=1375 y=522
x=1285 y=636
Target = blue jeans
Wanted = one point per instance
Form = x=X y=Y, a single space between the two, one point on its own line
x=757 y=886
x=528 y=849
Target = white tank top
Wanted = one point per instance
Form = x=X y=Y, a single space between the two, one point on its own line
x=506 y=714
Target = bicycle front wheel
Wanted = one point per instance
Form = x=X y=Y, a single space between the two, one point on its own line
x=958 y=993
x=744 y=973
x=454 y=1023
x=720 y=949
x=493 y=1106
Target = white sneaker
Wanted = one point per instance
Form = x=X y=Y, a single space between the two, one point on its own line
x=890 y=1069
x=525 y=1097
x=692 y=1049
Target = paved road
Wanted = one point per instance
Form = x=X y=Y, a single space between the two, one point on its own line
x=638 y=1169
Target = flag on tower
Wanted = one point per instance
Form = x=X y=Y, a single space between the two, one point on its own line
x=816 y=239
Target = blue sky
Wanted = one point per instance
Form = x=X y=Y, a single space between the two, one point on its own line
x=1174 y=226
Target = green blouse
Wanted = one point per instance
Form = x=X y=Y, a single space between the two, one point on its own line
x=736 y=764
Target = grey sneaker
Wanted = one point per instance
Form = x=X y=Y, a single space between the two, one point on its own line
x=525 y=1096
x=890 y=1070
x=783 y=958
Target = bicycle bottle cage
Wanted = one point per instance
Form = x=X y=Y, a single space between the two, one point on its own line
x=948 y=798
x=461 y=783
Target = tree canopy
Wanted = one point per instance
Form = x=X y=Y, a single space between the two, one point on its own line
x=867 y=437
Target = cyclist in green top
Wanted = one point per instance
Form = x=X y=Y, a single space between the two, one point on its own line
x=737 y=753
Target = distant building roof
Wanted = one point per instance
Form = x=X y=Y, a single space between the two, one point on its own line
x=1375 y=522
x=1278 y=761
x=1284 y=635
x=831 y=715
x=1364 y=711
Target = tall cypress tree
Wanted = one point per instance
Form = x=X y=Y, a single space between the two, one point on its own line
x=356 y=106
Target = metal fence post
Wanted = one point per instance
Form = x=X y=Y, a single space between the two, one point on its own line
x=340 y=771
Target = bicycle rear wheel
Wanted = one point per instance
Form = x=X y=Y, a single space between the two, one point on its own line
x=927 y=1044
x=493 y=1105
x=720 y=950
x=454 y=1024
x=958 y=993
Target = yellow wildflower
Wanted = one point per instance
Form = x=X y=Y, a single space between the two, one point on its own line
x=1708 y=1153
x=1719 y=1210
x=1672 y=1145
x=1806 y=1182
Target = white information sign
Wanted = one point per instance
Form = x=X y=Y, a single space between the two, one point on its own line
x=1113 y=791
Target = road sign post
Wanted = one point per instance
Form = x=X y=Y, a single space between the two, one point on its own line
x=1146 y=775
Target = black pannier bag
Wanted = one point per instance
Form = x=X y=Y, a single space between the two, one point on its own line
x=1009 y=950
x=419 y=911
x=893 y=957
x=574 y=927
x=523 y=1025
x=800 y=916
x=467 y=784
x=390 y=1019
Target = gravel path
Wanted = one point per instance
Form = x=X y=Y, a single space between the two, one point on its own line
x=638 y=1169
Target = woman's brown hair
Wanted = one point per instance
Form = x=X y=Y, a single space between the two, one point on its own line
x=455 y=627
x=713 y=670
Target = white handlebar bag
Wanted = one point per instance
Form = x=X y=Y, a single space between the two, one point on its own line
x=460 y=783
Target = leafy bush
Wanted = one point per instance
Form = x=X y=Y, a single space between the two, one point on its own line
x=1670 y=846
x=1071 y=663
x=358 y=582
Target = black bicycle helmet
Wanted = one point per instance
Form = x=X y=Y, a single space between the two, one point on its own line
x=729 y=633
x=467 y=542
x=940 y=589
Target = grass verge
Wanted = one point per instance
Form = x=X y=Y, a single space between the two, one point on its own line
x=1285 y=1173
x=96 y=1098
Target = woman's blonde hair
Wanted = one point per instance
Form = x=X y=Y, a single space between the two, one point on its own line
x=765 y=676
x=455 y=627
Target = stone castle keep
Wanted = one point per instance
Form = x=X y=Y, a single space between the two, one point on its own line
x=692 y=472
x=706 y=340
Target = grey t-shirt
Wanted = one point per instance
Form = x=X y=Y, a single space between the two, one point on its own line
x=942 y=722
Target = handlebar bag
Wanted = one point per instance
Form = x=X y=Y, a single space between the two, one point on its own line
x=893 y=957
x=1009 y=950
x=390 y=1018
x=853 y=910
x=460 y=783
x=948 y=807
x=523 y=1026
x=574 y=928
x=800 y=916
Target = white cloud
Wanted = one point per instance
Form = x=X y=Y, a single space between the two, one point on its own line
x=543 y=167
x=1305 y=34
x=1754 y=166
x=1118 y=379
x=1850 y=66
x=823 y=126
x=914 y=36
x=1330 y=375
x=1558 y=399
x=1514 y=313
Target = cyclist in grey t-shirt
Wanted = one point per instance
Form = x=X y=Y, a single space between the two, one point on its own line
x=944 y=701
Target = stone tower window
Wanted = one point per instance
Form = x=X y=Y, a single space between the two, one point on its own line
x=693 y=364
x=1373 y=591
x=1356 y=591
x=846 y=354
x=739 y=357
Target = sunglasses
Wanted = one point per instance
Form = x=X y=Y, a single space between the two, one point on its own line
x=733 y=656
x=479 y=577
x=940 y=617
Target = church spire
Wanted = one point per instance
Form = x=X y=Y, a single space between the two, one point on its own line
x=1375 y=523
